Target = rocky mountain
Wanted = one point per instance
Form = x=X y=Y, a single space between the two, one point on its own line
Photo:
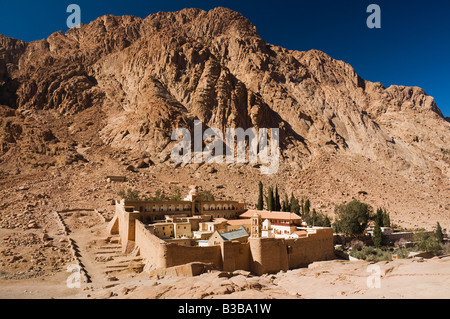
x=124 y=83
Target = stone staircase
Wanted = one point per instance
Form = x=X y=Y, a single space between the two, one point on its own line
x=114 y=261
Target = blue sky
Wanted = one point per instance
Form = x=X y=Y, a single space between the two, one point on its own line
x=411 y=48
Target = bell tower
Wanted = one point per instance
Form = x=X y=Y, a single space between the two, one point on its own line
x=256 y=226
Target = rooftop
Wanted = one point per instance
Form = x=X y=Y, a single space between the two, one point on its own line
x=243 y=221
x=234 y=234
x=271 y=215
x=301 y=233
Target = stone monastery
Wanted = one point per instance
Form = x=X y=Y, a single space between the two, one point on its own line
x=223 y=233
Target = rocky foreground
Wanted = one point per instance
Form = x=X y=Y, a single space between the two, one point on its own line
x=405 y=279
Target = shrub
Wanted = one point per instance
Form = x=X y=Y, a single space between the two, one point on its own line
x=207 y=196
x=427 y=243
x=446 y=248
x=371 y=254
x=403 y=253
x=176 y=195
x=357 y=244
x=401 y=243
x=129 y=194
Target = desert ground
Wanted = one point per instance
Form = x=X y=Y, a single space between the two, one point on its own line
x=56 y=218
x=80 y=237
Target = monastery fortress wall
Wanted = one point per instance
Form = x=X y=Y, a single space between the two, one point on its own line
x=258 y=255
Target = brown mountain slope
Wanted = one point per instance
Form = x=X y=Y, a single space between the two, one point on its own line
x=126 y=83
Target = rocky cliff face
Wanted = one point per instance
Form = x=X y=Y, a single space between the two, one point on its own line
x=126 y=83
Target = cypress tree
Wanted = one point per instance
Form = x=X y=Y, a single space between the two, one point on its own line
x=284 y=204
x=379 y=217
x=327 y=222
x=377 y=236
x=295 y=207
x=386 y=220
x=270 y=200
x=439 y=233
x=277 y=206
x=260 y=205
x=287 y=206
x=314 y=217
x=306 y=216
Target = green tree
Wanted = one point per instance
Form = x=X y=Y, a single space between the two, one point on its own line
x=160 y=195
x=377 y=236
x=379 y=217
x=285 y=206
x=439 y=233
x=306 y=211
x=129 y=194
x=277 y=204
x=294 y=205
x=314 y=218
x=386 y=219
x=260 y=205
x=176 y=195
x=352 y=218
x=319 y=219
x=427 y=243
x=207 y=196
x=327 y=222
x=270 y=199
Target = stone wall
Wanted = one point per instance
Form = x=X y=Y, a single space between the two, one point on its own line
x=315 y=247
x=259 y=255
x=160 y=254
x=268 y=255
x=179 y=255
x=151 y=248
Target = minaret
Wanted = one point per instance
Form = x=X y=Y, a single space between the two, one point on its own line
x=256 y=226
